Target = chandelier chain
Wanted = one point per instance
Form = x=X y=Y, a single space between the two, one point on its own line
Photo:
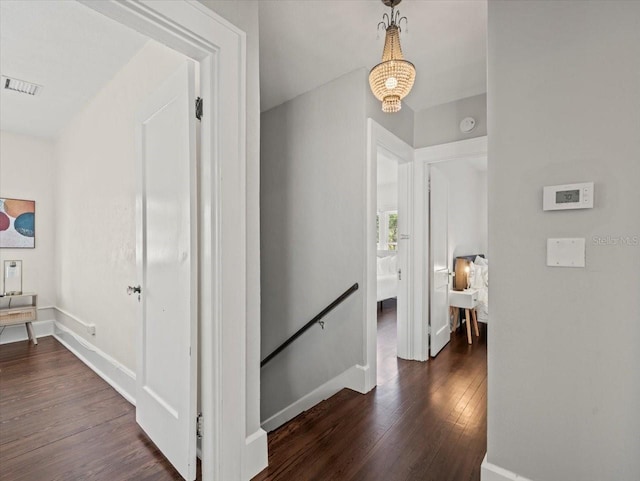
x=392 y=20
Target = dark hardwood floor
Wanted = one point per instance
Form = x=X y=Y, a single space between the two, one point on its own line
x=60 y=421
x=424 y=421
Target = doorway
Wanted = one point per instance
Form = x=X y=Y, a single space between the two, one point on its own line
x=200 y=34
x=390 y=262
x=116 y=107
x=419 y=328
x=389 y=226
x=455 y=177
x=220 y=48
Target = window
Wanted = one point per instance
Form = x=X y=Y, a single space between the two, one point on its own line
x=387 y=230
x=392 y=239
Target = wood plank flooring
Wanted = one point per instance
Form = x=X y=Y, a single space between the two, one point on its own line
x=60 y=421
x=424 y=421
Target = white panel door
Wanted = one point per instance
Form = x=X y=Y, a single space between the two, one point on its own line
x=167 y=269
x=404 y=248
x=439 y=242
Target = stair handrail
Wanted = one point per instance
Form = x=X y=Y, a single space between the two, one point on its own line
x=313 y=321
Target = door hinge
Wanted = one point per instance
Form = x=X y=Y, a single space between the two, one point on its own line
x=199 y=108
x=199 y=425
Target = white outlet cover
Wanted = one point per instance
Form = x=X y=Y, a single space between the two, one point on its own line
x=566 y=252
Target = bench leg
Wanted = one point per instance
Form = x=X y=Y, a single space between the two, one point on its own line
x=31 y=334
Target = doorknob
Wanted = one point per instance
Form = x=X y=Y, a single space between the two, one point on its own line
x=134 y=289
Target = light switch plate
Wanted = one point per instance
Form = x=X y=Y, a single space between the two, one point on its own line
x=566 y=252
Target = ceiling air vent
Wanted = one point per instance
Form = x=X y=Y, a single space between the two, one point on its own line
x=20 y=86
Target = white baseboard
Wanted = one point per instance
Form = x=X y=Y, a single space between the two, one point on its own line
x=68 y=319
x=255 y=457
x=18 y=332
x=359 y=379
x=119 y=377
x=353 y=378
x=491 y=472
x=115 y=374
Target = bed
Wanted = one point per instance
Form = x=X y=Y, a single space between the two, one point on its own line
x=387 y=273
x=478 y=278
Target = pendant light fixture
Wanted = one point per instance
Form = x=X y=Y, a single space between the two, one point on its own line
x=391 y=80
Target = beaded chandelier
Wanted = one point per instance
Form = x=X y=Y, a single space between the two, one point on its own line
x=391 y=80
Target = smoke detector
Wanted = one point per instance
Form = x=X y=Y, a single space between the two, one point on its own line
x=467 y=125
x=20 y=86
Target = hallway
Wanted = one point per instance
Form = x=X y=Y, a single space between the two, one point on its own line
x=424 y=421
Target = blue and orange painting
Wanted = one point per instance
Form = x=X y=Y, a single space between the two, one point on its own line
x=17 y=223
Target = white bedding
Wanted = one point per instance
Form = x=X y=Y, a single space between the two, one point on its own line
x=387 y=287
x=479 y=277
x=387 y=277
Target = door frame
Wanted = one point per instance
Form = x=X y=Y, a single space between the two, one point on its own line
x=468 y=149
x=378 y=138
x=220 y=48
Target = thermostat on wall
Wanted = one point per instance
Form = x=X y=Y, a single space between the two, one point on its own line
x=568 y=196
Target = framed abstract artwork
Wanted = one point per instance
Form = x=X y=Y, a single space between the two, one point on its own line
x=17 y=223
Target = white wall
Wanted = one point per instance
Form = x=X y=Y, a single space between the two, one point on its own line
x=564 y=106
x=387 y=182
x=312 y=199
x=95 y=205
x=468 y=221
x=27 y=170
x=401 y=124
x=388 y=197
x=441 y=124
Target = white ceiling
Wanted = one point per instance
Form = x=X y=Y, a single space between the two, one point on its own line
x=73 y=52
x=307 y=43
x=67 y=48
